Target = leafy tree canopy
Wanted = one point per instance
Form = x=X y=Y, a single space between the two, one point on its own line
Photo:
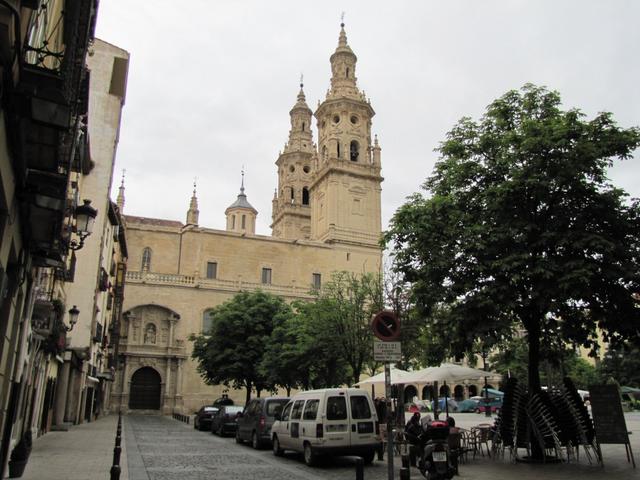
x=231 y=352
x=522 y=227
x=344 y=307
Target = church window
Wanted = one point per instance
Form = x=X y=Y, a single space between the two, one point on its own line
x=146 y=259
x=347 y=72
x=266 y=276
x=306 y=169
x=338 y=149
x=303 y=125
x=150 y=334
x=348 y=256
x=293 y=195
x=354 y=151
x=336 y=119
x=316 y=281
x=305 y=196
x=244 y=222
x=207 y=321
x=354 y=119
x=233 y=222
x=212 y=269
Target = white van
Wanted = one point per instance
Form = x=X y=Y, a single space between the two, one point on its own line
x=331 y=421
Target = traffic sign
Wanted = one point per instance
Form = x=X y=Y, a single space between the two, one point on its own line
x=386 y=326
x=387 y=351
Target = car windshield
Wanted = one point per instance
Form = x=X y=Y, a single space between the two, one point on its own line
x=273 y=406
x=210 y=409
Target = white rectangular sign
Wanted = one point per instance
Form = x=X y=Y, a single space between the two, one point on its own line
x=387 y=351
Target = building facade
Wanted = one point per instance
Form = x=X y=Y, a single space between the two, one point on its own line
x=325 y=218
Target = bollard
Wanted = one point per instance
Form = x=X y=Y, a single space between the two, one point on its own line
x=381 y=452
x=406 y=461
x=359 y=468
x=405 y=473
x=115 y=468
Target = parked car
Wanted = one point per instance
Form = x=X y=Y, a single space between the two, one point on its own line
x=256 y=420
x=495 y=404
x=223 y=400
x=468 y=405
x=331 y=421
x=202 y=420
x=224 y=421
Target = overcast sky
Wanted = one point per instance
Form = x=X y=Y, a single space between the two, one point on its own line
x=211 y=83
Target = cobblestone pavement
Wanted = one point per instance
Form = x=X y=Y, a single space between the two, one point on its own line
x=160 y=448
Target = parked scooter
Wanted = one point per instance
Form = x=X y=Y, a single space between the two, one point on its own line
x=436 y=463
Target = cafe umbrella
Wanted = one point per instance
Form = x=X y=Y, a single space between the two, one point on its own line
x=443 y=373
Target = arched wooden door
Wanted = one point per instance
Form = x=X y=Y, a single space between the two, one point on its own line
x=145 y=390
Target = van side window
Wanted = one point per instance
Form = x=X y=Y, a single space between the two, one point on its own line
x=311 y=410
x=336 y=408
x=254 y=408
x=360 y=407
x=285 y=412
x=296 y=411
x=274 y=406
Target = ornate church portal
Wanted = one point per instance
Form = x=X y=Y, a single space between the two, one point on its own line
x=145 y=390
x=149 y=376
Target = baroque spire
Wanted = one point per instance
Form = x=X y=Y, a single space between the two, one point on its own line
x=193 y=213
x=120 y=199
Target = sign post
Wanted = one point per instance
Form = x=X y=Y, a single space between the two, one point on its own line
x=386 y=327
x=608 y=419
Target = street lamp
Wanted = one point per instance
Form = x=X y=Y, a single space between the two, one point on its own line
x=85 y=218
x=73 y=318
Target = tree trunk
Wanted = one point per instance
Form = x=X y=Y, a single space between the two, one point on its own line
x=248 y=396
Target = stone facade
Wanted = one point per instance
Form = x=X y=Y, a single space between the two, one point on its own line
x=325 y=218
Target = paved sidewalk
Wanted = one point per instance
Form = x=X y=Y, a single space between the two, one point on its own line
x=159 y=447
x=82 y=453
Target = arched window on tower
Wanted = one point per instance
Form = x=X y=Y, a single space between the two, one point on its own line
x=354 y=151
x=293 y=195
x=244 y=222
x=338 y=149
x=146 y=259
x=305 y=196
x=233 y=222
x=347 y=72
x=303 y=125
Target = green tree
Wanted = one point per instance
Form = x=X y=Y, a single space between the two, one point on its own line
x=232 y=351
x=302 y=352
x=523 y=227
x=344 y=308
x=622 y=363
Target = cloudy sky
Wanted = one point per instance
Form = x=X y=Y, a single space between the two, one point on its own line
x=211 y=83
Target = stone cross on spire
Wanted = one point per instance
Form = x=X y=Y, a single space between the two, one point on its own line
x=120 y=199
x=193 y=213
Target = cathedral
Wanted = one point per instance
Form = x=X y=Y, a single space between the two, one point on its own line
x=325 y=218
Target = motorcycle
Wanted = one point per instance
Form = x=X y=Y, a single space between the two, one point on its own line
x=436 y=463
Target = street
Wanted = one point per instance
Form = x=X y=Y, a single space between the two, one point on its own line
x=160 y=448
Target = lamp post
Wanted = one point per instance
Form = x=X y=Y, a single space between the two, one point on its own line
x=73 y=318
x=85 y=218
x=487 y=408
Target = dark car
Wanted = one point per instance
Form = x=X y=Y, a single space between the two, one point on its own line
x=224 y=421
x=202 y=421
x=257 y=418
x=495 y=404
x=223 y=400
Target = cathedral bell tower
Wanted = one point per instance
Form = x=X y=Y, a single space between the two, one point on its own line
x=346 y=188
x=291 y=210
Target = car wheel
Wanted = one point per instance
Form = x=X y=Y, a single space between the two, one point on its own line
x=255 y=441
x=309 y=455
x=277 y=451
x=238 y=439
x=368 y=457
